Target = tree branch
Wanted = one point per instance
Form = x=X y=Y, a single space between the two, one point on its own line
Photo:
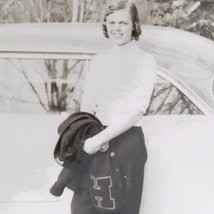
x=31 y=85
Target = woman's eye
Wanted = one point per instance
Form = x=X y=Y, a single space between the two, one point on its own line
x=111 y=23
x=123 y=23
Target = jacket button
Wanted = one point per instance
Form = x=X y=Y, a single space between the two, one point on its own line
x=112 y=154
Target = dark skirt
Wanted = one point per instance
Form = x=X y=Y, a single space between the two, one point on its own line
x=130 y=150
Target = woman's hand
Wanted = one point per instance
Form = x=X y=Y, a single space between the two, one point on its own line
x=93 y=145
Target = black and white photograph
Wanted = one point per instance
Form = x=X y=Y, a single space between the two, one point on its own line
x=107 y=106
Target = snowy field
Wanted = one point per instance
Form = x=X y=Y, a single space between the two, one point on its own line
x=179 y=176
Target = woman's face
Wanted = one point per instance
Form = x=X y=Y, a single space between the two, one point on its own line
x=119 y=27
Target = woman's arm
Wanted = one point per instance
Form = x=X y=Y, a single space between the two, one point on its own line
x=92 y=145
x=134 y=104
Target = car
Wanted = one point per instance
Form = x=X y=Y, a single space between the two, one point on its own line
x=179 y=172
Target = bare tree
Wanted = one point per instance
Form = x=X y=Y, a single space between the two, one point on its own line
x=59 y=87
x=75 y=11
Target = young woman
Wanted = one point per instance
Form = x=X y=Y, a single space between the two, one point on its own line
x=118 y=90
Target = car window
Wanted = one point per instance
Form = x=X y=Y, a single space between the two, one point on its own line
x=40 y=85
x=167 y=99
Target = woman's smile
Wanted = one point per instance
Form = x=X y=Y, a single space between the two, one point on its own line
x=117 y=35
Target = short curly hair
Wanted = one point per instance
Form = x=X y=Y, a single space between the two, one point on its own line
x=131 y=8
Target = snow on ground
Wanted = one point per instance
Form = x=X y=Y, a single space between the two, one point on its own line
x=179 y=175
x=178 y=178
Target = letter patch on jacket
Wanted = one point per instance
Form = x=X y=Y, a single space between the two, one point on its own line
x=102 y=187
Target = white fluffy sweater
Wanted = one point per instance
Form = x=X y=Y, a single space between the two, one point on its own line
x=120 y=81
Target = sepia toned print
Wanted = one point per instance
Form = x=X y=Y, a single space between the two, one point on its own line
x=48 y=48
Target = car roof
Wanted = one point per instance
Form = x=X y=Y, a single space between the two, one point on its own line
x=184 y=58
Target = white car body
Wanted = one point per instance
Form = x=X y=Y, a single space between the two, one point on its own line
x=179 y=174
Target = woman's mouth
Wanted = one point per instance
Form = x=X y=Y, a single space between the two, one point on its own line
x=117 y=35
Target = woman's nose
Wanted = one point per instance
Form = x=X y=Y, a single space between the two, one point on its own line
x=117 y=27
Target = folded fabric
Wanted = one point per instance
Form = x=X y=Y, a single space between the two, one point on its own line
x=73 y=132
x=69 y=150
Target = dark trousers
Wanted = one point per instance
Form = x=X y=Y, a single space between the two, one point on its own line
x=131 y=150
